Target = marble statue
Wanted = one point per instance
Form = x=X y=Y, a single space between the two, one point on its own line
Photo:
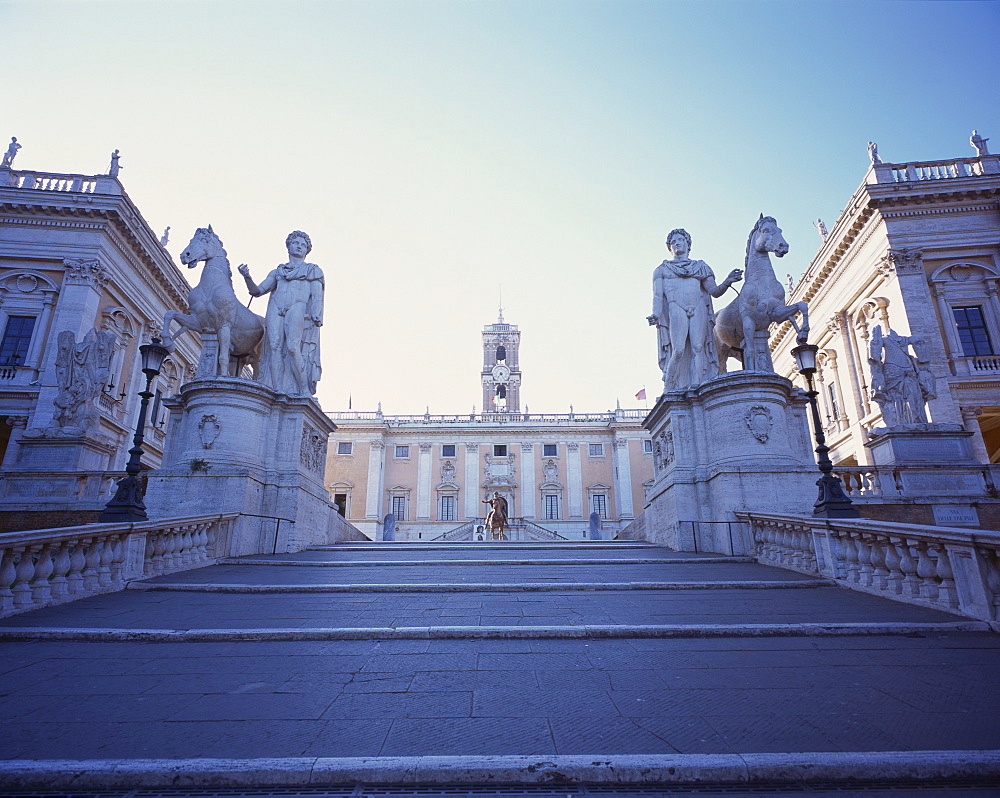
x=873 y=152
x=291 y=362
x=682 y=314
x=82 y=370
x=742 y=328
x=115 y=167
x=12 y=148
x=821 y=226
x=901 y=383
x=979 y=143
x=214 y=307
x=165 y=237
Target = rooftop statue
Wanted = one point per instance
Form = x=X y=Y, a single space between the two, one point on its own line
x=683 y=315
x=214 y=307
x=165 y=237
x=873 y=152
x=12 y=148
x=901 y=383
x=979 y=143
x=743 y=324
x=115 y=167
x=821 y=226
x=291 y=362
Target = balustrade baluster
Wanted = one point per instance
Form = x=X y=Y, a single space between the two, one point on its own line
x=157 y=545
x=892 y=560
x=60 y=567
x=927 y=571
x=171 y=556
x=186 y=546
x=852 y=558
x=879 y=572
x=105 y=557
x=866 y=572
x=946 y=590
x=41 y=588
x=8 y=574
x=92 y=559
x=910 y=585
x=25 y=570
x=77 y=562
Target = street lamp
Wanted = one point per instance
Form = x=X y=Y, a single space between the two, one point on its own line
x=127 y=504
x=832 y=501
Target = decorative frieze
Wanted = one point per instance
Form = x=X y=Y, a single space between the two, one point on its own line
x=312 y=451
x=85 y=272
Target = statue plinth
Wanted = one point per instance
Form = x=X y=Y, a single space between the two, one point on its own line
x=738 y=442
x=921 y=444
x=235 y=445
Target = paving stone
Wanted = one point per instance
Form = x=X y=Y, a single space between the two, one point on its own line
x=515 y=701
x=469 y=736
x=609 y=736
x=401 y=705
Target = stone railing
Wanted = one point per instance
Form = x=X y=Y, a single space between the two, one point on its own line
x=936 y=170
x=918 y=482
x=488 y=418
x=52 y=566
x=51 y=181
x=463 y=532
x=539 y=532
x=955 y=570
x=974 y=366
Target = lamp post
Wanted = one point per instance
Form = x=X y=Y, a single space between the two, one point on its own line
x=127 y=504
x=832 y=501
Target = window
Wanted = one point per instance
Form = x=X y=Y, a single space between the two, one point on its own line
x=600 y=504
x=345 y=447
x=447 y=508
x=647 y=447
x=597 y=450
x=448 y=450
x=500 y=450
x=551 y=507
x=402 y=451
x=17 y=336
x=340 y=499
x=831 y=395
x=501 y=353
x=399 y=507
x=971 y=330
x=550 y=450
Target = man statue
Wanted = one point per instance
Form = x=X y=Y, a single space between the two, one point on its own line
x=683 y=315
x=497 y=516
x=820 y=225
x=901 y=383
x=979 y=143
x=873 y=152
x=291 y=362
x=12 y=148
x=165 y=237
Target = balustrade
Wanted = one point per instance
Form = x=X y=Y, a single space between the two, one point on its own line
x=915 y=564
x=44 y=567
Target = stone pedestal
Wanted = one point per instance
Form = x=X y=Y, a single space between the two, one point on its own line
x=235 y=445
x=921 y=444
x=739 y=442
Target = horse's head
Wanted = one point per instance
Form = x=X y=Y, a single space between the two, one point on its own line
x=766 y=237
x=205 y=244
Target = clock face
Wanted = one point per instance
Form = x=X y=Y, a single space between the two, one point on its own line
x=501 y=373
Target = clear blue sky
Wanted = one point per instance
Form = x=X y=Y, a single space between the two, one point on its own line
x=435 y=149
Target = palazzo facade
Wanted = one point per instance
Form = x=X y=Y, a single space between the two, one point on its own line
x=84 y=282
x=433 y=472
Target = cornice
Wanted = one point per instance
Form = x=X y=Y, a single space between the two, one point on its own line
x=118 y=227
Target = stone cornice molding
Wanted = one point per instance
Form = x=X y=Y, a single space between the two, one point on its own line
x=85 y=271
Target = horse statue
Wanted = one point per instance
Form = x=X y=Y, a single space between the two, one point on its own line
x=214 y=307
x=496 y=519
x=761 y=302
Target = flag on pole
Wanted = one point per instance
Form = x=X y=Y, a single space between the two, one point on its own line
x=641 y=395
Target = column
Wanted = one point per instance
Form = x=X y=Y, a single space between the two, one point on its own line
x=471 y=486
x=970 y=420
x=574 y=476
x=623 y=479
x=529 y=490
x=424 y=483
x=373 y=491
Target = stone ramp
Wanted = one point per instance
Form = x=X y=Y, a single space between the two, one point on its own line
x=665 y=672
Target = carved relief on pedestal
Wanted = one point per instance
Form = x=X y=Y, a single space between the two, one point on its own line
x=759 y=421
x=312 y=451
x=81 y=372
x=208 y=430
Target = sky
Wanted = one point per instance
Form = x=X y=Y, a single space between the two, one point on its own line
x=444 y=153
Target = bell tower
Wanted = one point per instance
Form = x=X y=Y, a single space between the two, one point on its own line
x=501 y=375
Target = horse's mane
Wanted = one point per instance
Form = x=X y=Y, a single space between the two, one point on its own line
x=211 y=235
x=761 y=221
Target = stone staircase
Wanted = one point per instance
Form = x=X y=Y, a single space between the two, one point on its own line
x=571 y=667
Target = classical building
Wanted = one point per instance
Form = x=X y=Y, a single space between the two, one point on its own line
x=83 y=282
x=917 y=251
x=433 y=472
